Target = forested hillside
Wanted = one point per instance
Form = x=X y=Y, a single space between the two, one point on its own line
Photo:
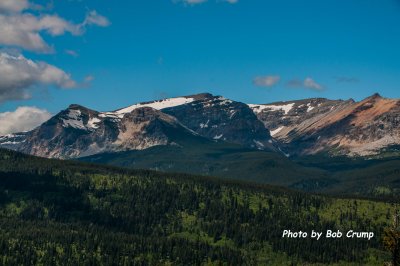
x=377 y=177
x=69 y=213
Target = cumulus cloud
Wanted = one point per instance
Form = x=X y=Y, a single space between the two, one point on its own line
x=93 y=18
x=307 y=83
x=21 y=29
x=266 y=81
x=19 y=74
x=13 y=5
x=25 y=30
x=24 y=118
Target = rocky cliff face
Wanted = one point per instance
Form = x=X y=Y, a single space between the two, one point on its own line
x=278 y=116
x=310 y=126
x=78 y=131
x=335 y=127
x=217 y=118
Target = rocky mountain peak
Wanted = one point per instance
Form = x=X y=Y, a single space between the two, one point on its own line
x=306 y=126
x=76 y=106
x=144 y=114
x=375 y=96
x=218 y=118
x=202 y=96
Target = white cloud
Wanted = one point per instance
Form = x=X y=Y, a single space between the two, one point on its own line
x=13 y=5
x=21 y=29
x=93 y=18
x=19 y=74
x=309 y=83
x=25 y=30
x=266 y=81
x=24 y=118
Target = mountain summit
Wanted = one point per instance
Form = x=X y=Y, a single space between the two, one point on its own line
x=336 y=127
x=78 y=131
x=302 y=127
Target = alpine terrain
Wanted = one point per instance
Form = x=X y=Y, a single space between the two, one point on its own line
x=304 y=127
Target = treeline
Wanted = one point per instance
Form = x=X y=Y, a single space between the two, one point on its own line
x=66 y=213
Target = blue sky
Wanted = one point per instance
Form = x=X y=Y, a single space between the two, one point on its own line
x=256 y=51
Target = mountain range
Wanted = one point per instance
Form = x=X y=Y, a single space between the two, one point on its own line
x=320 y=145
x=337 y=127
x=294 y=128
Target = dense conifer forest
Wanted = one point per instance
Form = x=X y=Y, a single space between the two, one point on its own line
x=372 y=177
x=69 y=213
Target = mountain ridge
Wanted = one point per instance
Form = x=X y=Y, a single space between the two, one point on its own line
x=295 y=128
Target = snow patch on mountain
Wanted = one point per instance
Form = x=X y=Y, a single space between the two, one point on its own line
x=218 y=136
x=224 y=101
x=202 y=125
x=111 y=115
x=8 y=136
x=310 y=107
x=259 y=144
x=158 y=105
x=93 y=123
x=258 y=108
x=74 y=119
x=12 y=139
x=276 y=131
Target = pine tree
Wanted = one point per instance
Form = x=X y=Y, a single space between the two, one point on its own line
x=391 y=239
